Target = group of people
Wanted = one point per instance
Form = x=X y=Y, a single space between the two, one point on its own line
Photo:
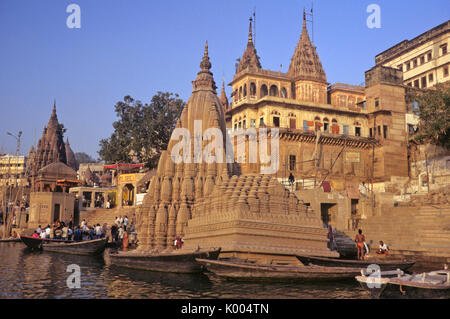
x=360 y=240
x=67 y=231
x=361 y=246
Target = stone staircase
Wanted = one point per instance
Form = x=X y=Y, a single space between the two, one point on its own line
x=100 y=216
x=423 y=230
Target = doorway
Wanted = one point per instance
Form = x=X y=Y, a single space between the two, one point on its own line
x=56 y=213
x=328 y=213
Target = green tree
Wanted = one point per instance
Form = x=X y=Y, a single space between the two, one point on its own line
x=434 y=116
x=143 y=130
x=82 y=157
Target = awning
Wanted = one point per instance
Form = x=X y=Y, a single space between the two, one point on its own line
x=119 y=166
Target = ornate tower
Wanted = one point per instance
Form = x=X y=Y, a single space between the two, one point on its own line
x=50 y=148
x=250 y=58
x=306 y=71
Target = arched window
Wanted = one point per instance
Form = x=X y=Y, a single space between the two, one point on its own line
x=245 y=90
x=326 y=125
x=264 y=90
x=273 y=90
x=252 y=89
x=240 y=93
x=284 y=93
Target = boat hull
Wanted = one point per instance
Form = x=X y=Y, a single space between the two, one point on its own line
x=257 y=272
x=385 y=264
x=169 y=262
x=89 y=247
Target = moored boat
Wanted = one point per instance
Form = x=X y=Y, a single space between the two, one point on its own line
x=177 y=261
x=246 y=271
x=434 y=284
x=88 y=247
x=385 y=264
x=376 y=282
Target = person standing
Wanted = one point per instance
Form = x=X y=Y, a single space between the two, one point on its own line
x=359 y=240
x=125 y=222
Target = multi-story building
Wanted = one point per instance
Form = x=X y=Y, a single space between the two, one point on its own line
x=12 y=170
x=337 y=131
x=424 y=60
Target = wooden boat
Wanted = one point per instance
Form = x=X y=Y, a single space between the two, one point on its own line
x=376 y=282
x=88 y=247
x=247 y=271
x=36 y=242
x=385 y=264
x=178 y=261
x=434 y=284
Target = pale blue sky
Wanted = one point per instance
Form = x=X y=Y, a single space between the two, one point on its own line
x=139 y=47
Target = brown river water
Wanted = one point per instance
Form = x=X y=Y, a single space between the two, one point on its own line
x=27 y=275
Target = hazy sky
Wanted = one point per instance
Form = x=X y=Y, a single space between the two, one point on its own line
x=139 y=47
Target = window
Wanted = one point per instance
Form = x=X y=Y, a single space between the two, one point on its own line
x=416 y=83
x=410 y=84
x=422 y=59
x=424 y=82
x=370 y=132
x=415 y=63
x=400 y=67
x=264 y=90
x=430 y=77
x=444 y=49
x=292 y=124
x=445 y=71
x=357 y=131
x=345 y=129
x=235 y=126
x=385 y=131
x=326 y=125
x=429 y=56
x=252 y=89
x=243 y=123
x=261 y=121
x=252 y=122
x=292 y=162
x=276 y=121
x=245 y=90
x=240 y=124
x=408 y=66
x=379 y=130
x=377 y=103
x=273 y=90
x=283 y=93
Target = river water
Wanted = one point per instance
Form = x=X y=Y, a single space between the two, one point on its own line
x=25 y=274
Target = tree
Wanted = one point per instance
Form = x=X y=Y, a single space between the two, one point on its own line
x=434 y=116
x=82 y=157
x=143 y=130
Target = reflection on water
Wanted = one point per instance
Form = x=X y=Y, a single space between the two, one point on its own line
x=27 y=274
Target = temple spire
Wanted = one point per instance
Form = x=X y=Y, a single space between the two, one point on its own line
x=205 y=79
x=305 y=62
x=250 y=58
x=250 y=32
